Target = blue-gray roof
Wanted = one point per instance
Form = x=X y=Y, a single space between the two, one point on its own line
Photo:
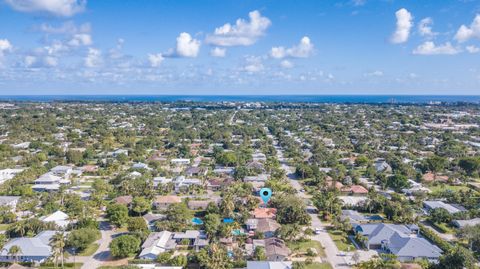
x=37 y=246
x=401 y=240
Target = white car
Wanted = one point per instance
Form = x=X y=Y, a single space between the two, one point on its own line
x=318 y=230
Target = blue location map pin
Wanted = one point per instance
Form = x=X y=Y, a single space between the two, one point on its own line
x=265 y=193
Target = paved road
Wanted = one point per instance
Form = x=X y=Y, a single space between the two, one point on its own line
x=103 y=252
x=331 y=250
x=444 y=236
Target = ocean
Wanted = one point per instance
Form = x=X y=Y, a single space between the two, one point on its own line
x=367 y=99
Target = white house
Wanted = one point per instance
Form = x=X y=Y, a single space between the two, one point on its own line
x=157 y=243
x=161 y=181
x=181 y=182
x=10 y=201
x=49 y=182
x=180 y=161
x=118 y=152
x=58 y=217
x=6 y=174
x=62 y=171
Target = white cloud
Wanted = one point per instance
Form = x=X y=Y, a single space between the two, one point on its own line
x=68 y=27
x=465 y=33
x=187 y=46
x=34 y=61
x=93 y=58
x=404 y=25
x=425 y=28
x=242 y=33
x=218 y=52
x=412 y=75
x=29 y=60
x=5 y=45
x=429 y=48
x=155 y=59
x=472 y=49
x=50 y=61
x=80 y=40
x=254 y=65
x=286 y=64
x=302 y=50
x=359 y=2
x=63 y=8
x=376 y=73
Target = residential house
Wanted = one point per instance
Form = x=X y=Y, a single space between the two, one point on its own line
x=257 y=181
x=275 y=248
x=415 y=187
x=218 y=184
x=267 y=227
x=196 y=238
x=10 y=201
x=49 y=182
x=382 y=166
x=151 y=218
x=23 y=145
x=201 y=204
x=33 y=249
x=355 y=190
x=182 y=183
x=431 y=177
x=119 y=152
x=156 y=266
x=161 y=181
x=196 y=171
x=255 y=165
x=227 y=171
x=157 y=243
x=451 y=208
x=58 y=217
x=401 y=240
x=262 y=178
x=141 y=166
x=63 y=171
x=124 y=200
x=7 y=174
x=89 y=168
x=180 y=161
x=355 y=217
x=464 y=223
x=264 y=213
x=163 y=202
x=259 y=157
x=269 y=265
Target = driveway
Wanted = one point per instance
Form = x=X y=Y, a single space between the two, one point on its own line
x=103 y=252
x=331 y=251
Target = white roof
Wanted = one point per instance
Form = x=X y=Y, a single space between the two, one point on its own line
x=269 y=265
x=156 y=243
x=60 y=218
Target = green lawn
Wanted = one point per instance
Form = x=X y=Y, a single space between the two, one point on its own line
x=442 y=187
x=342 y=243
x=443 y=228
x=3 y=227
x=89 y=250
x=317 y=265
x=302 y=246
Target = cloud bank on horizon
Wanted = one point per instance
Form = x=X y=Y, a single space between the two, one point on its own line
x=351 y=47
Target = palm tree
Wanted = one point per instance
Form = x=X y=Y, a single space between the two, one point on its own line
x=14 y=251
x=227 y=206
x=57 y=242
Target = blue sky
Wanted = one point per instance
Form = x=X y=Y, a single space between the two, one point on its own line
x=239 y=47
